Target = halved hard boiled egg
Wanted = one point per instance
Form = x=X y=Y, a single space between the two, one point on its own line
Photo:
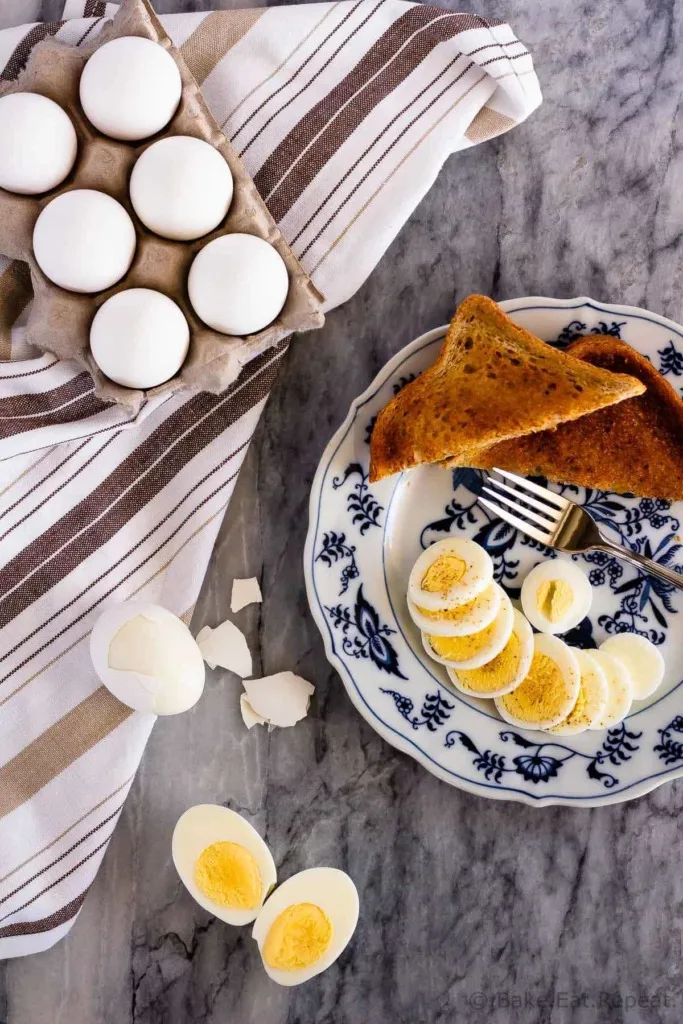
x=548 y=692
x=476 y=649
x=642 y=660
x=470 y=617
x=306 y=924
x=591 y=701
x=556 y=596
x=223 y=862
x=504 y=672
x=450 y=572
x=619 y=690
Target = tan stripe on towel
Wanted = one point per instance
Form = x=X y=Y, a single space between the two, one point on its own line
x=487 y=124
x=214 y=36
x=15 y=295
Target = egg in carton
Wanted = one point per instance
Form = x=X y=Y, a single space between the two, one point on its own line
x=59 y=320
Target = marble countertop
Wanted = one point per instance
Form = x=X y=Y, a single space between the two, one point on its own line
x=471 y=910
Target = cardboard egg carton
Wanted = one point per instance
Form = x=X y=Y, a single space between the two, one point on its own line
x=59 y=321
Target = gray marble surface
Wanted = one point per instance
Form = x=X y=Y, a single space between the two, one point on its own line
x=471 y=910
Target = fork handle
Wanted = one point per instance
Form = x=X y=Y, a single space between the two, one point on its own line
x=654 y=568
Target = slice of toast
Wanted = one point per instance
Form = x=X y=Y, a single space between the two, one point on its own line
x=635 y=447
x=491 y=381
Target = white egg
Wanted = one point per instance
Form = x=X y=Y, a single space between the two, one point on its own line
x=37 y=143
x=250 y=867
x=148 y=658
x=474 y=650
x=619 y=690
x=556 y=596
x=503 y=673
x=139 y=338
x=548 y=692
x=84 y=241
x=450 y=572
x=238 y=284
x=642 y=660
x=591 y=701
x=181 y=187
x=313 y=912
x=130 y=88
x=470 y=617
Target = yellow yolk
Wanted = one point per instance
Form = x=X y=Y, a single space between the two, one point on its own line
x=451 y=614
x=579 y=714
x=541 y=695
x=495 y=673
x=443 y=573
x=462 y=648
x=228 y=874
x=554 y=598
x=298 y=937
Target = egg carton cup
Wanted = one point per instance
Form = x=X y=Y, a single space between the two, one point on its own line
x=59 y=321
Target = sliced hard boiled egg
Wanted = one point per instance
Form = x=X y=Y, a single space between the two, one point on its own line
x=476 y=649
x=619 y=690
x=548 y=692
x=642 y=660
x=223 y=862
x=504 y=672
x=470 y=617
x=556 y=596
x=306 y=924
x=591 y=701
x=449 y=573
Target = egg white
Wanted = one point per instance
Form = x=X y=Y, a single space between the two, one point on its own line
x=576 y=580
x=486 y=607
x=619 y=690
x=566 y=661
x=594 y=686
x=642 y=660
x=336 y=895
x=476 y=578
x=200 y=827
x=503 y=624
x=522 y=630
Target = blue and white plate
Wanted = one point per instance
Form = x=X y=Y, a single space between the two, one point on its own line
x=363 y=540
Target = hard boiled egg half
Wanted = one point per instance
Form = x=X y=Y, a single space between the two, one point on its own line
x=556 y=596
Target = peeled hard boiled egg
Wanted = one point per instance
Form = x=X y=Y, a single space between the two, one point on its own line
x=642 y=660
x=503 y=673
x=619 y=690
x=238 y=284
x=474 y=650
x=449 y=573
x=37 y=143
x=556 y=596
x=130 y=88
x=84 y=241
x=306 y=924
x=591 y=701
x=549 y=690
x=139 y=338
x=466 y=618
x=223 y=862
x=148 y=658
x=181 y=187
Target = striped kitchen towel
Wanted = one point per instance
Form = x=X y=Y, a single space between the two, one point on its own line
x=343 y=113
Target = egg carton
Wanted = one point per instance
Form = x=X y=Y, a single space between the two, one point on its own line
x=59 y=321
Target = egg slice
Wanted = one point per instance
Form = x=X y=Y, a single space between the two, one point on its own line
x=504 y=672
x=549 y=690
x=450 y=572
x=223 y=862
x=619 y=690
x=476 y=649
x=556 y=596
x=306 y=924
x=641 y=659
x=591 y=701
x=470 y=617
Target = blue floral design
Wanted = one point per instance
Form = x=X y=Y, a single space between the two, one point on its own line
x=364 y=635
x=670 y=360
x=577 y=329
x=434 y=712
x=670 y=750
x=360 y=500
x=334 y=549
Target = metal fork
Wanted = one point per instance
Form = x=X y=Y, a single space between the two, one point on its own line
x=559 y=523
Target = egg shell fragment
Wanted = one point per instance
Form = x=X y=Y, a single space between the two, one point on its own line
x=249 y=716
x=244 y=592
x=226 y=645
x=642 y=661
x=476 y=577
x=281 y=699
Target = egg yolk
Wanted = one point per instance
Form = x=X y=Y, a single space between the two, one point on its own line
x=554 y=598
x=461 y=648
x=495 y=673
x=443 y=573
x=542 y=694
x=298 y=937
x=228 y=874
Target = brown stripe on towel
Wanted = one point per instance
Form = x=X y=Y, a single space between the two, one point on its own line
x=45 y=924
x=15 y=294
x=19 y=56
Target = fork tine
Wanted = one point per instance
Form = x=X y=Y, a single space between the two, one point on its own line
x=520 y=524
x=515 y=506
x=548 y=510
x=542 y=492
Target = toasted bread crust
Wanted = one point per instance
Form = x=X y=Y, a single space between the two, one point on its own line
x=491 y=381
x=635 y=447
